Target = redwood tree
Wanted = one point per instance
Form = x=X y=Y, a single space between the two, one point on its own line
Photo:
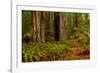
x=62 y=30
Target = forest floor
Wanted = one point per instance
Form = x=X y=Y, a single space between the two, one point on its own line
x=81 y=53
x=53 y=52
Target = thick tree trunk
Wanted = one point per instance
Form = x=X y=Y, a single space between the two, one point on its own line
x=62 y=30
x=38 y=26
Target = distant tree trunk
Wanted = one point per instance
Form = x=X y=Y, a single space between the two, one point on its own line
x=52 y=25
x=75 y=19
x=42 y=27
x=70 y=23
x=51 y=21
x=34 y=26
x=62 y=30
x=56 y=23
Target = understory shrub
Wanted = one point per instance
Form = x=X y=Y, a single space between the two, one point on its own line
x=43 y=51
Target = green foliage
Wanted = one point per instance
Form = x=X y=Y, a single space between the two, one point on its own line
x=80 y=36
x=69 y=25
x=26 y=21
x=37 y=52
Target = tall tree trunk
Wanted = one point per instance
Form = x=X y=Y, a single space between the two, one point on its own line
x=52 y=25
x=62 y=30
x=42 y=27
x=56 y=23
x=34 y=26
x=38 y=26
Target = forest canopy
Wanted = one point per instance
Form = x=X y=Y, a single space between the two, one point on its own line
x=49 y=36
